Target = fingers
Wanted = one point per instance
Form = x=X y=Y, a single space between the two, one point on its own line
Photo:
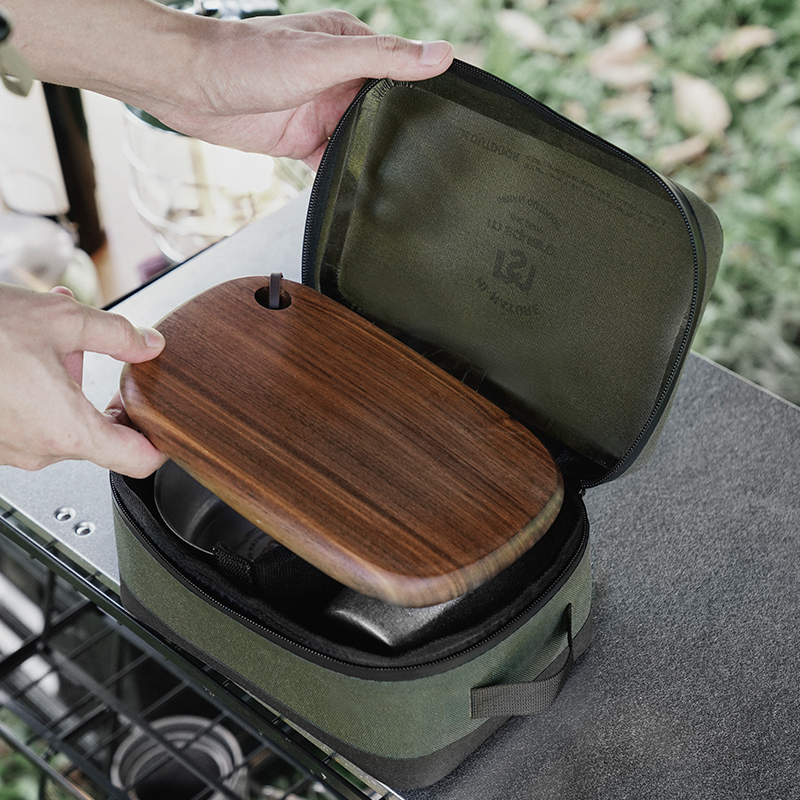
x=99 y=331
x=125 y=450
x=333 y=21
x=113 y=335
x=107 y=439
x=310 y=53
x=73 y=362
x=63 y=425
x=432 y=57
x=112 y=443
x=392 y=57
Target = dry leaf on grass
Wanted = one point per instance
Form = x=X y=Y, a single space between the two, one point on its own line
x=532 y=5
x=631 y=105
x=576 y=111
x=654 y=21
x=587 y=11
x=750 y=87
x=624 y=61
x=700 y=107
x=674 y=155
x=527 y=32
x=742 y=41
x=471 y=52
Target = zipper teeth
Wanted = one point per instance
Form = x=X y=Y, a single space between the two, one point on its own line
x=669 y=385
x=315 y=190
x=304 y=648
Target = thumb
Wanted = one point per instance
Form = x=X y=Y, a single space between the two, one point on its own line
x=387 y=56
x=113 y=335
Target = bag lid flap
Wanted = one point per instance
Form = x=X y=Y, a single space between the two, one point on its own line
x=550 y=270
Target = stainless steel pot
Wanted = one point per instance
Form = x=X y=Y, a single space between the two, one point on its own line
x=202 y=520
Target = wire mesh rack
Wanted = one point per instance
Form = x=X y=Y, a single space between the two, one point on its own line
x=94 y=706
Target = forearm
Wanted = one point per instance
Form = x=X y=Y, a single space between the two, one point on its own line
x=275 y=85
x=135 y=50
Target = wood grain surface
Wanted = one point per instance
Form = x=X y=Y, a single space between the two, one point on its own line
x=342 y=443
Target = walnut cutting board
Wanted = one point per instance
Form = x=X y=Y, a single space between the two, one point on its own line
x=342 y=443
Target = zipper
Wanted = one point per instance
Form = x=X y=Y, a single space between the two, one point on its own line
x=487 y=78
x=358 y=670
x=306 y=269
x=680 y=356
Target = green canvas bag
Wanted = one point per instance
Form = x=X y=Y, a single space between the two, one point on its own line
x=549 y=271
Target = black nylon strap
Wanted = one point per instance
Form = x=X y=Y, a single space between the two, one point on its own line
x=238 y=570
x=523 y=699
x=275 y=290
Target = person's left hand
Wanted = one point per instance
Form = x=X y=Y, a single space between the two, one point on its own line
x=44 y=415
x=279 y=85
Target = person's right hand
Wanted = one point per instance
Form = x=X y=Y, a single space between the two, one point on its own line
x=44 y=415
x=280 y=84
x=276 y=85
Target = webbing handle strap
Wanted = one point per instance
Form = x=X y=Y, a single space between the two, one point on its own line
x=523 y=699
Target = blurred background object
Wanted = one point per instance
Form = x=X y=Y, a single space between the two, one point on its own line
x=193 y=193
x=135 y=196
x=38 y=253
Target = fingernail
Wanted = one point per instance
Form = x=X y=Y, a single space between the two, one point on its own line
x=434 y=53
x=153 y=338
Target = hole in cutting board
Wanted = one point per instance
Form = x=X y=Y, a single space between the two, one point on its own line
x=273 y=296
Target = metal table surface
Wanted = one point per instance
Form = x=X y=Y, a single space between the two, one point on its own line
x=690 y=686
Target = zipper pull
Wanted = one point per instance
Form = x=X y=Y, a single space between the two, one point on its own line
x=17 y=76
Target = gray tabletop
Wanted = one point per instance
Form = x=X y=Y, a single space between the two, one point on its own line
x=691 y=687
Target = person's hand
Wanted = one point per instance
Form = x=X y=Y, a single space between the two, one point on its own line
x=274 y=85
x=44 y=415
x=279 y=85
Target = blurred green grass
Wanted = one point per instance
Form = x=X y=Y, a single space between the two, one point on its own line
x=705 y=91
